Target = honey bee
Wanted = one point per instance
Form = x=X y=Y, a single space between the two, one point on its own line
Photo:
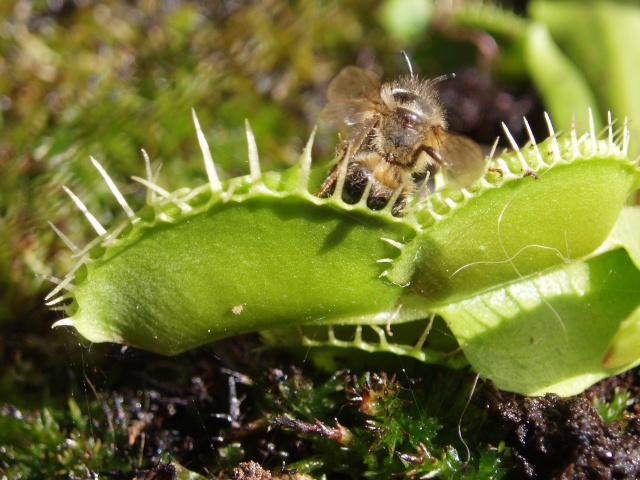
x=398 y=133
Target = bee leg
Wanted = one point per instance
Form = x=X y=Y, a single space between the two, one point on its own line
x=329 y=185
x=346 y=150
x=341 y=149
x=355 y=184
x=388 y=179
x=377 y=201
x=398 y=207
x=433 y=154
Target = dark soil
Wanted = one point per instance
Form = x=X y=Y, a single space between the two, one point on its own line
x=565 y=438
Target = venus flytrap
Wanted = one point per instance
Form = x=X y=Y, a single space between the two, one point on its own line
x=496 y=261
x=245 y=253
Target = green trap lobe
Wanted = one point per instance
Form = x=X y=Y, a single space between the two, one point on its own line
x=239 y=267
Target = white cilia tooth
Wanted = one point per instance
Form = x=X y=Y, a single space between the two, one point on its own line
x=151 y=177
x=534 y=144
x=610 y=131
x=254 y=159
x=214 y=181
x=555 y=147
x=100 y=230
x=72 y=246
x=365 y=193
x=342 y=175
x=65 y=322
x=392 y=201
x=50 y=278
x=392 y=242
x=493 y=149
x=163 y=193
x=626 y=135
x=574 y=137
x=63 y=285
x=55 y=300
x=305 y=167
x=516 y=148
x=592 y=132
x=114 y=190
x=385 y=260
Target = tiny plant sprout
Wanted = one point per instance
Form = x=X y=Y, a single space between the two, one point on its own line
x=516 y=264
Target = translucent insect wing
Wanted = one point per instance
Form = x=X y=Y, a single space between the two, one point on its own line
x=353 y=82
x=351 y=94
x=462 y=159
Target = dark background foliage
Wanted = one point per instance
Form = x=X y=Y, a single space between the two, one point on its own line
x=107 y=79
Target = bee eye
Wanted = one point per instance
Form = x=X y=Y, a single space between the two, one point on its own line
x=409 y=118
x=406 y=123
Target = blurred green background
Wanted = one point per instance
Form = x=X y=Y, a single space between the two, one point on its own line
x=109 y=78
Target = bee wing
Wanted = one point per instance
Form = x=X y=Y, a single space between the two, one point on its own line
x=353 y=82
x=461 y=157
x=351 y=96
x=351 y=112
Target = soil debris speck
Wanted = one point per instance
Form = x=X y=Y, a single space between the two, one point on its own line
x=565 y=438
